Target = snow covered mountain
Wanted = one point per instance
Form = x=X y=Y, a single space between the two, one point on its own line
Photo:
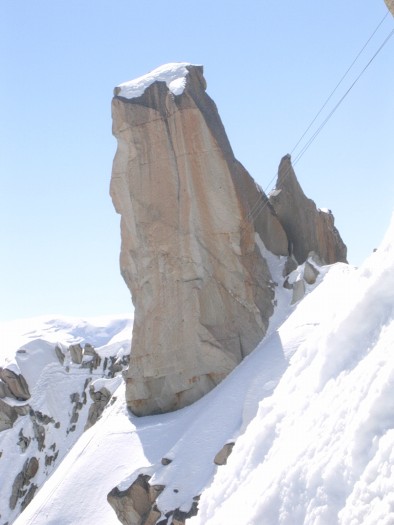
x=310 y=413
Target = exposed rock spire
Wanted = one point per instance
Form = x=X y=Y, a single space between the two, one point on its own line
x=202 y=291
x=307 y=227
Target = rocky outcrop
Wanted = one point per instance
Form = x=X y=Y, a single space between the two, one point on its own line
x=12 y=386
x=9 y=414
x=202 y=290
x=307 y=228
x=136 y=505
x=59 y=354
x=22 y=481
x=100 y=400
x=15 y=384
x=223 y=454
x=76 y=353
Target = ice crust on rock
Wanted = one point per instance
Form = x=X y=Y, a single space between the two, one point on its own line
x=173 y=74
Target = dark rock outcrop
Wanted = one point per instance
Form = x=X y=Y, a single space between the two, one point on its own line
x=76 y=353
x=136 y=505
x=16 y=384
x=21 y=481
x=100 y=400
x=223 y=454
x=59 y=354
x=9 y=414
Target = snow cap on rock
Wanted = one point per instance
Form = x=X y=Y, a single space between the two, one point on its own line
x=173 y=74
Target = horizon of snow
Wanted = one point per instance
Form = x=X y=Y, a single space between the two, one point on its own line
x=173 y=74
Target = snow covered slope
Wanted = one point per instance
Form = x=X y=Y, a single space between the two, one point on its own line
x=311 y=413
x=67 y=389
x=320 y=449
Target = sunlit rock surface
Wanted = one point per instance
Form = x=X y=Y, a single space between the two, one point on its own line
x=307 y=227
x=202 y=290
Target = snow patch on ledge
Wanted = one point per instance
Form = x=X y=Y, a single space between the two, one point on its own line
x=173 y=74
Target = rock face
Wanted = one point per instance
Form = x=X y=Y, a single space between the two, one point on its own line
x=190 y=212
x=136 y=505
x=307 y=228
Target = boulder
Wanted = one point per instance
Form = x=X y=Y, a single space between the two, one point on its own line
x=223 y=454
x=4 y=390
x=298 y=291
x=134 y=504
x=59 y=354
x=310 y=273
x=100 y=400
x=76 y=353
x=16 y=384
x=31 y=468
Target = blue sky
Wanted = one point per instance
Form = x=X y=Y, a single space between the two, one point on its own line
x=269 y=67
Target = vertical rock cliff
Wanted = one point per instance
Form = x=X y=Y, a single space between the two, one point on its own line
x=202 y=290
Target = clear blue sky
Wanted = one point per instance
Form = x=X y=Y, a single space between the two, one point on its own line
x=269 y=67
